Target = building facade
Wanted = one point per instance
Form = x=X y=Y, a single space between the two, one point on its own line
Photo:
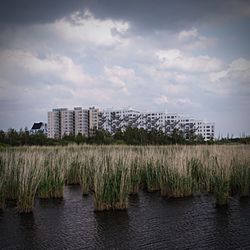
x=81 y=121
x=54 y=123
x=85 y=121
x=63 y=122
x=121 y=119
x=93 y=119
x=67 y=122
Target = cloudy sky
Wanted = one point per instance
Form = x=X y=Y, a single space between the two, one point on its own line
x=191 y=57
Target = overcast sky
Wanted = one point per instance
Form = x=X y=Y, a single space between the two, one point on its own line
x=191 y=57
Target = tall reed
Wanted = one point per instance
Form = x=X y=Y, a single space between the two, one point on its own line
x=86 y=172
x=111 y=186
x=12 y=162
x=135 y=175
x=52 y=181
x=220 y=179
x=114 y=172
x=28 y=181
x=2 y=182
x=73 y=168
x=174 y=178
x=150 y=172
x=240 y=177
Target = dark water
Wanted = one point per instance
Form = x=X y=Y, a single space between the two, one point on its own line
x=151 y=222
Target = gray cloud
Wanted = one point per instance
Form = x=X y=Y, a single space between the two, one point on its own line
x=143 y=14
x=32 y=12
x=150 y=55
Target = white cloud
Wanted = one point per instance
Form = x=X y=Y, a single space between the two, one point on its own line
x=74 y=61
x=187 y=34
x=175 y=59
x=240 y=64
x=215 y=76
x=175 y=102
x=162 y=99
x=120 y=77
x=85 y=27
x=61 y=67
x=120 y=72
x=176 y=89
x=191 y=40
x=201 y=43
x=238 y=70
x=185 y=101
x=232 y=81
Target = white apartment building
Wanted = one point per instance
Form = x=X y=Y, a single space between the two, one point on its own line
x=84 y=121
x=93 y=119
x=81 y=121
x=206 y=129
x=113 y=120
x=54 y=123
x=120 y=119
x=66 y=122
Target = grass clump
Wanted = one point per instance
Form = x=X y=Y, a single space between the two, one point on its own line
x=52 y=181
x=135 y=175
x=12 y=162
x=73 y=170
x=150 y=174
x=240 y=177
x=114 y=172
x=200 y=175
x=220 y=180
x=2 y=182
x=28 y=181
x=87 y=165
x=111 y=186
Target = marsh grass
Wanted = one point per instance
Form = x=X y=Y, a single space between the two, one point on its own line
x=240 y=177
x=2 y=183
x=150 y=170
x=111 y=173
x=52 y=181
x=220 y=179
x=73 y=173
x=86 y=172
x=111 y=183
x=174 y=178
x=28 y=181
x=135 y=175
x=12 y=162
x=200 y=174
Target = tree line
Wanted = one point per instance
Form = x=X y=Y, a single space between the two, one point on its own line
x=131 y=136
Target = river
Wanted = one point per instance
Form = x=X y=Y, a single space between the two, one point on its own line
x=151 y=222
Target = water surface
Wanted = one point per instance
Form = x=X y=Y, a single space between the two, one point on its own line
x=151 y=222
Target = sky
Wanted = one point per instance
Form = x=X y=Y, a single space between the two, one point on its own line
x=190 y=57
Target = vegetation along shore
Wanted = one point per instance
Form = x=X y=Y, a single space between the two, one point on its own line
x=112 y=173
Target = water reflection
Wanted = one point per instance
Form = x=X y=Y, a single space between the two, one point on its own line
x=50 y=202
x=112 y=229
x=151 y=222
x=28 y=227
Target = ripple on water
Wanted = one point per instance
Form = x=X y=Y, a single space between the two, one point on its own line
x=151 y=222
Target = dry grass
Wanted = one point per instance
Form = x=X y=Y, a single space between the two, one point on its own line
x=111 y=173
